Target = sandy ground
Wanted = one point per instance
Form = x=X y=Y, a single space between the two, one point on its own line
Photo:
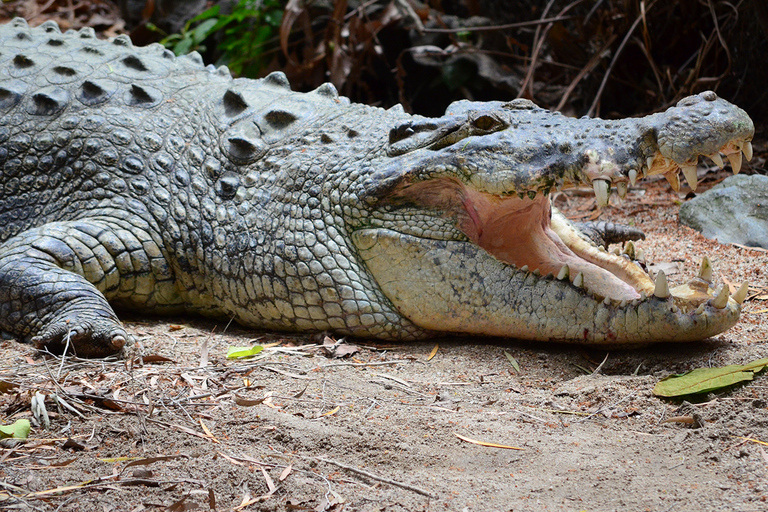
x=300 y=429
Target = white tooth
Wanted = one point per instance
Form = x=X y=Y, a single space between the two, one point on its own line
x=564 y=273
x=735 y=159
x=629 y=249
x=705 y=272
x=621 y=188
x=717 y=159
x=741 y=293
x=616 y=251
x=632 y=177
x=524 y=268
x=537 y=272
x=602 y=190
x=643 y=296
x=689 y=171
x=623 y=304
x=700 y=309
x=721 y=299
x=747 y=149
x=578 y=281
x=649 y=161
x=674 y=180
x=606 y=302
x=640 y=255
x=662 y=288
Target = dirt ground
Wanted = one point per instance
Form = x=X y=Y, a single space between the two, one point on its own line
x=299 y=428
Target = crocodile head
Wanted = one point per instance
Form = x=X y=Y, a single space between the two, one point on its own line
x=461 y=237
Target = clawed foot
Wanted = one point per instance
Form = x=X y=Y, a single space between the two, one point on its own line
x=97 y=337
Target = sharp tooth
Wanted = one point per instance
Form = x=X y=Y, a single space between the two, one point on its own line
x=537 y=272
x=632 y=177
x=649 y=161
x=741 y=293
x=643 y=296
x=705 y=272
x=674 y=180
x=717 y=159
x=721 y=299
x=578 y=281
x=564 y=273
x=747 y=149
x=606 y=302
x=662 y=288
x=640 y=255
x=629 y=249
x=602 y=190
x=689 y=171
x=735 y=159
x=700 y=309
x=621 y=188
x=524 y=268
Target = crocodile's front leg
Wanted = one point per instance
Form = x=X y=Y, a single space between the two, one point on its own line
x=55 y=281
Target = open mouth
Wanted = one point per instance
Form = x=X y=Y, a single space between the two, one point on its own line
x=527 y=234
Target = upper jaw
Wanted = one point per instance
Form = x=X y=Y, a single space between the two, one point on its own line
x=700 y=125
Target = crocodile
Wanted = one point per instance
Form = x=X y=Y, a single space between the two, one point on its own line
x=136 y=179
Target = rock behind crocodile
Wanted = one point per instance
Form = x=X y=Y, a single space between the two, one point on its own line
x=134 y=178
x=733 y=211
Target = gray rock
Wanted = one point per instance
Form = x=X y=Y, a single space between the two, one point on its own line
x=734 y=211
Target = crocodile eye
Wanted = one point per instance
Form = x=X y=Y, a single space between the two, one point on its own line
x=485 y=123
x=401 y=132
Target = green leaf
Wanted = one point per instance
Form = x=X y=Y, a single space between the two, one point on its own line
x=210 y=13
x=238 y=352
x=512 y=361
x=18 y=430
x=204 y=30
x=183 y=46
x=704 y=380
x=274 y=18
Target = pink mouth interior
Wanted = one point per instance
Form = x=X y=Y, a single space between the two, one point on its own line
x=517 y=232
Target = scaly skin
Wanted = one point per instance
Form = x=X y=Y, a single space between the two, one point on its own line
x=137 y=179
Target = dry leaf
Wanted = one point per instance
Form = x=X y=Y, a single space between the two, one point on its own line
x=6 y=386
x=245 y=402
x=154 y=358
x=286 y=472
x=483 y=443
x=208 y=432
x=433 y=353
x=268 y=479
x=331 y=412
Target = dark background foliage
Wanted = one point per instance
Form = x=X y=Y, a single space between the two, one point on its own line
x=605 y=58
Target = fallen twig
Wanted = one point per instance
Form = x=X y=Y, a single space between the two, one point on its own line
x=378 y=478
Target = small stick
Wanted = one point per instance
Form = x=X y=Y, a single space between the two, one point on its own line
x=376 y=363
x=378 y=478
x=600 y=366
x=489 y=28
